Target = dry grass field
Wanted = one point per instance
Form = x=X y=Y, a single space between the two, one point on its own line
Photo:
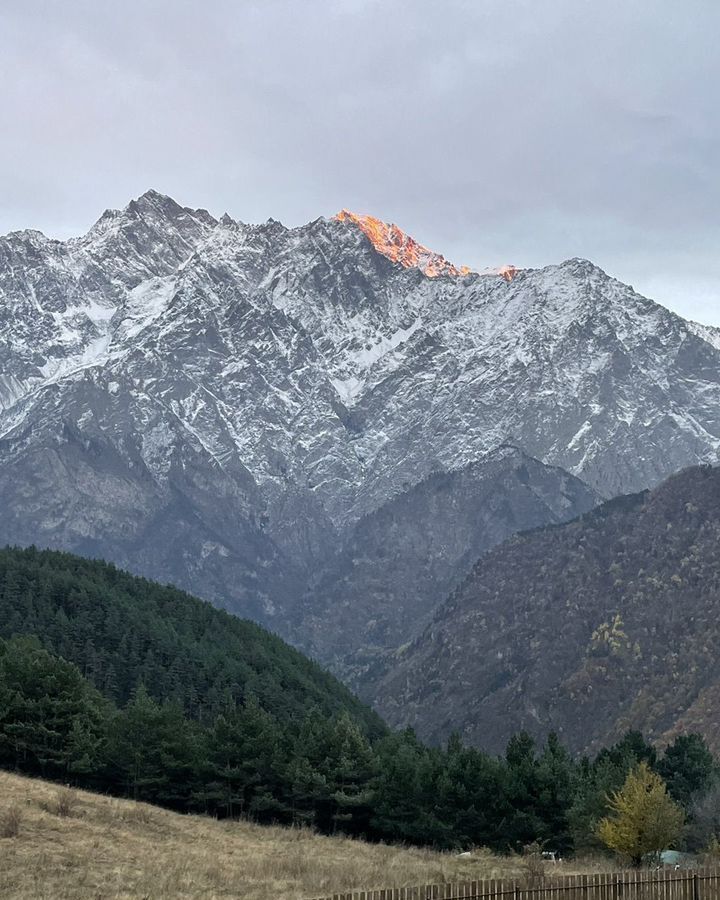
x=57 y=844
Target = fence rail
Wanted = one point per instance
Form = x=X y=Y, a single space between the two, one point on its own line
x=662 y=884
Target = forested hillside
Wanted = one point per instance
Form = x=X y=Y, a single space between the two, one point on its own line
x=323 y=772
x=274 y=739
x=609 y=622
x=121 y=631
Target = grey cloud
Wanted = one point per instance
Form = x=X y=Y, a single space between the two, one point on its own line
x=501 y=130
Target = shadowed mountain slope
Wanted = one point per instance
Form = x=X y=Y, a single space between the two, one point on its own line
x=608 y=622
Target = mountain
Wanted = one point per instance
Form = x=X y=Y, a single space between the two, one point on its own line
x=120 y=631
x=222 y=405
x=392 y=242
x=384 y=583
x=589 y=628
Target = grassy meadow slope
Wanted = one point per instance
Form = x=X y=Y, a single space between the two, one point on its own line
x=109 y=849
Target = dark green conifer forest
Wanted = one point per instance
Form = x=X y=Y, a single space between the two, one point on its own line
x=117 y=684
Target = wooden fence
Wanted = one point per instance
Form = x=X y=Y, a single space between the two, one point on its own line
x=660 y=884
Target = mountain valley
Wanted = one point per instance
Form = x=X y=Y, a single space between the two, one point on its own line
x=323 y=428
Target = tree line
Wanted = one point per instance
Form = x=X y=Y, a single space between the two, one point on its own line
x=119 y=684
x=321 y=769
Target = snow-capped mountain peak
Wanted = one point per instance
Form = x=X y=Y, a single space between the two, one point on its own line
x=299 y=378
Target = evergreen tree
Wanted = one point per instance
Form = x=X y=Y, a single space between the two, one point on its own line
x=630 y=750
x=349 y=768
x=52 y=722
x=154 y=751
x=470 y=800
x=235 y=723
x=557 y=776
x=522 y=791
x=688 y=768
x=121 y=630
x=245 y=762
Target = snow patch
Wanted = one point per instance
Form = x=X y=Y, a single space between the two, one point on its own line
x=144 y=304
x=348 y=388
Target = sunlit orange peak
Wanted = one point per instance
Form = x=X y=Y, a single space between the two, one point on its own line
x=392 y=242
x=507 y=272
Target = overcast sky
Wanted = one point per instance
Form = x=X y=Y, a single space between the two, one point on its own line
x=492 y=130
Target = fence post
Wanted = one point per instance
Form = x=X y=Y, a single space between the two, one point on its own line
x=696 y=886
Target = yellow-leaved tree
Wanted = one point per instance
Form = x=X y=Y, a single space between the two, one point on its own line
x=644 y=819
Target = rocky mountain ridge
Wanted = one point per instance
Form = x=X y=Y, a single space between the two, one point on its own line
x=219 y=404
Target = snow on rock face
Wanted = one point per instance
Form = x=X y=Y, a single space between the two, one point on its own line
x=708 y=333
x=265 y=387
x=58 y=299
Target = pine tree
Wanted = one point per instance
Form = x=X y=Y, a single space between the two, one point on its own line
x=154 y=751
x=406 y=792
x=45 y=707
x=688 y=768
x=556 y=775
x=349 y=771
x=522 y=791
